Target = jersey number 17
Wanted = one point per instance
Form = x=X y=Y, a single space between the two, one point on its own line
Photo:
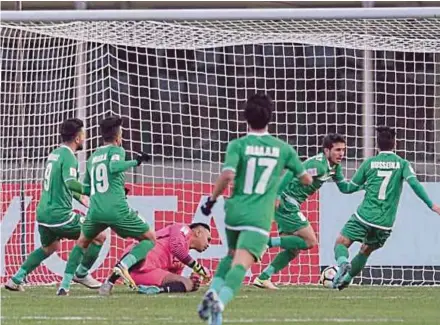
x=260 y=188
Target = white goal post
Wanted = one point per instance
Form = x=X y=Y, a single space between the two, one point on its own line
x=178 y=77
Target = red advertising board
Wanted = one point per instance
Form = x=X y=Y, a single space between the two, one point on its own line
x=19 y=240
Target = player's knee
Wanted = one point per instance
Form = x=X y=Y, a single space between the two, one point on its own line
x=83 y=242
x=367 y=250
x=149 y=235
x=311 y=242
x=100 y=239
x=342 y=240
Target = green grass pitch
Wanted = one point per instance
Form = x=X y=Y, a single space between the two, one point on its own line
x=290 y=305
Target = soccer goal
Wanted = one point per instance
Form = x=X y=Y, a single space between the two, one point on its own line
x=179 y=77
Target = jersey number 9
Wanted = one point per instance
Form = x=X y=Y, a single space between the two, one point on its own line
x=47 y=172
x=99 y=179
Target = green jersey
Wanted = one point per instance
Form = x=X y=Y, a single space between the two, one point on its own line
x=258 y=161
x=320 y=169
x=383 y=176
x=106 y=178
x=55 y=206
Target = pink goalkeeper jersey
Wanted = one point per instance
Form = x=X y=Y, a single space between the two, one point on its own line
x=171 y=251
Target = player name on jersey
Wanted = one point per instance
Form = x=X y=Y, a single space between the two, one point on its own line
x=53 y=157
x=262 y=151
x=99 y=158
x=385 y=165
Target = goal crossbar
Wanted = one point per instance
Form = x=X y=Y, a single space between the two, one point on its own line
x=220 y=14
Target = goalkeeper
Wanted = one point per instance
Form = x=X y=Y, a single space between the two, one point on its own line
x=160 y=271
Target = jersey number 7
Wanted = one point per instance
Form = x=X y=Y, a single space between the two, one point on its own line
x=386 y=174
x=260 y=188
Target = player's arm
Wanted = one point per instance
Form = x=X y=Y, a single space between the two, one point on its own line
x=417 y=187
x=70 y=175
x=118 y=164
x=287 y=178
x=178 y=249
x=345 y=186
x=295 y=165
x=227 y=176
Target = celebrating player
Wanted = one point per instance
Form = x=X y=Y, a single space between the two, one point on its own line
x=55 y=217
x=295 y=230
x=255 y=163
x=383 y=176
x=108 y=205
x=161 y=269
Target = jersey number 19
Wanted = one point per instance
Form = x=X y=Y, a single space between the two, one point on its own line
x=99 y=179
x=260 y=188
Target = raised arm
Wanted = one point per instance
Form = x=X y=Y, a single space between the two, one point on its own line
x=295 y=165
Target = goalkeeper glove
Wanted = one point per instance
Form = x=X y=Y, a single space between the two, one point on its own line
x=201 y=270
x=207 y=206
x=142 y=157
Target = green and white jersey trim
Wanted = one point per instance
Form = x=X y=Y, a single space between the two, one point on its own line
x=290 y=199
x=72 y=217
x=229 y=168
x=371 y=224
x=249 y=228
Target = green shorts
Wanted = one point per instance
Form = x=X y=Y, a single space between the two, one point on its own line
x=289 y=218
x=70 y=230
x=130 y=226
x=355 y=230
x=249 y=240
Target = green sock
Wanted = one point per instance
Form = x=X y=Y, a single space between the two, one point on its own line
x=280 y=262
x=357 y=264
x=222 y=269
x=232 y=285
x=341 y=254
x=137 y=253
x=90 y=257
x=75 y=258
x=293 y=242
x=31 y=263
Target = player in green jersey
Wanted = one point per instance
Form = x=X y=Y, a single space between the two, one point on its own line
x=254 y=163
x=295 y=230
x=108 y=204
x=371 y=224
x=55 y=217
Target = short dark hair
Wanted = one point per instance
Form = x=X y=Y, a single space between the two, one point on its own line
x=330 y=139
x=70 y=128
x=110 y=127
x=258 y=111
x=385 y=138
x=200 y=224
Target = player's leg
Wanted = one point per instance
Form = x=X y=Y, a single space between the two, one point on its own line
x=160 y=281
x=375 y=239
x=133 y=226
x=89 y=232
x=296 y=234
x=49 y=245
x=352 y=231
x=250 y=247
x=204 y=308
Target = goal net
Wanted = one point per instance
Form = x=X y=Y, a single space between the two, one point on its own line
x=179 y=86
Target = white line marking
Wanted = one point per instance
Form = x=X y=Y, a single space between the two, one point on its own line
x=170 y=320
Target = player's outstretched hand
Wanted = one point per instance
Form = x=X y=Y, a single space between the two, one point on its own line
x=142 y=157
x=436 y=209
x=202 y=271
x=207 y=206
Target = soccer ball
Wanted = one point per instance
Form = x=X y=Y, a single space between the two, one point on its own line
x=327 y=276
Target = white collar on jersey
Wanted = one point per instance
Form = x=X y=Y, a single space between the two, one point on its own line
x=389 y=152
x=257 y=134
x=70 y=149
